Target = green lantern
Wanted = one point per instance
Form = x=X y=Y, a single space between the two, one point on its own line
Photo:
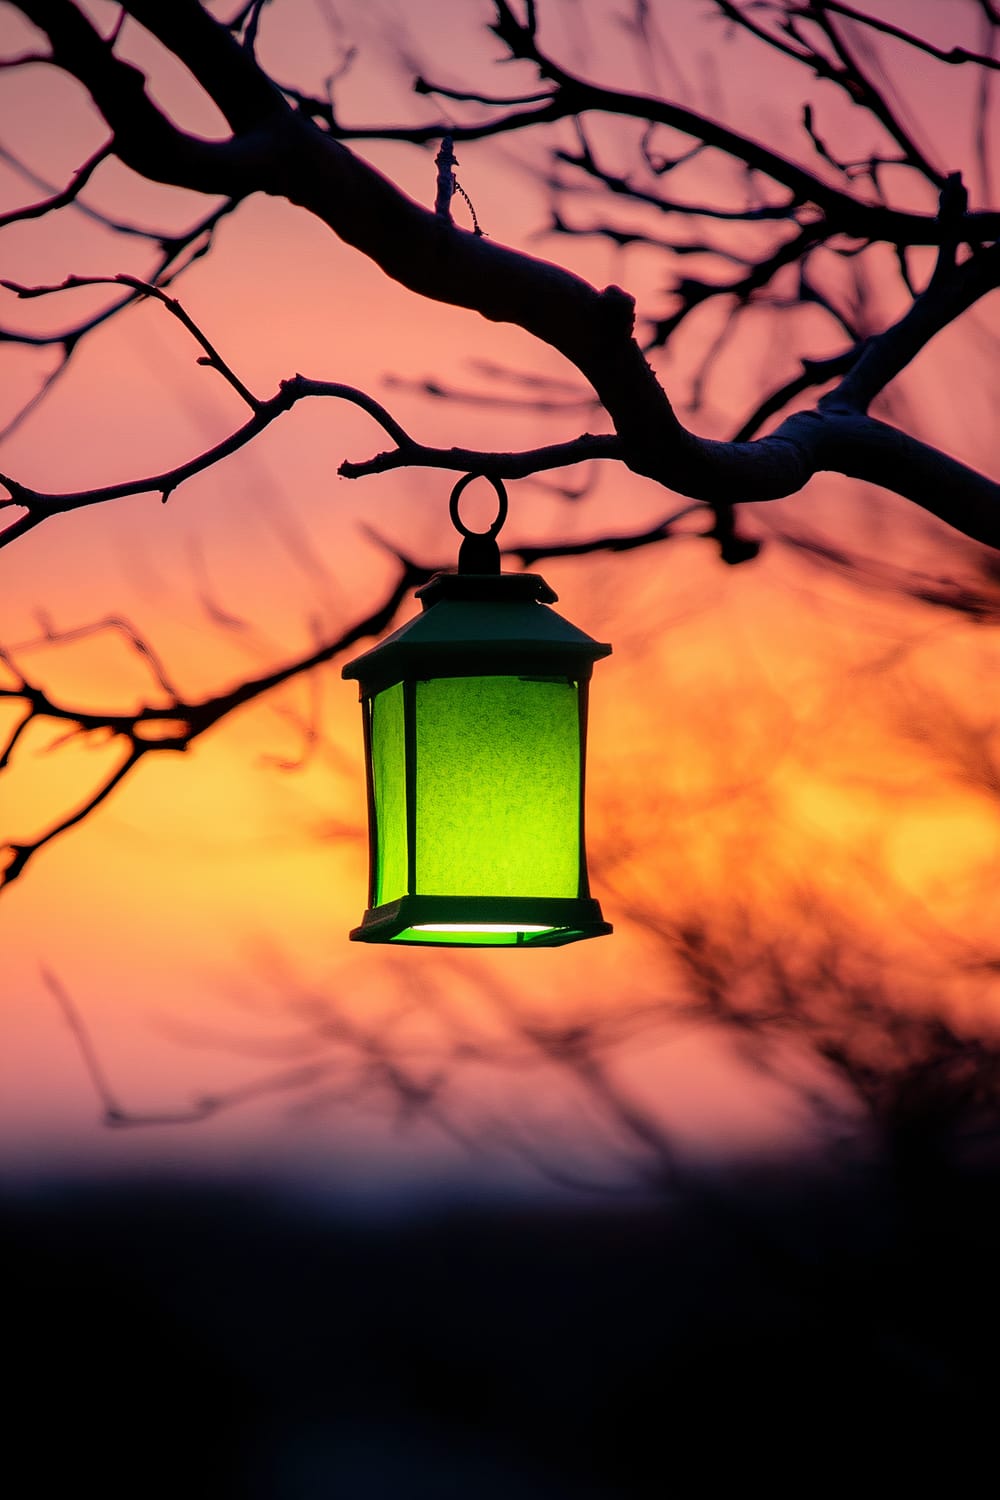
x=475 y=717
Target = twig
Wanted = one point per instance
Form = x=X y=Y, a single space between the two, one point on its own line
x=175 y=726
x=68 y=194
x=956 y=55
x=147 y=289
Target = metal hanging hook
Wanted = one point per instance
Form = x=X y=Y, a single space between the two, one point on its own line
x=479 y=552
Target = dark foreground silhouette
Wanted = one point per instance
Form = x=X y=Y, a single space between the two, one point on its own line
x=187 y=1340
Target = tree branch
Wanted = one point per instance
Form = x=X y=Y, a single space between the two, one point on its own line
x=955 y=55
x=144 y=139
x=68 y=194
x=844 y=212
x=169 y=268
x=41 y=506
x=498 y=465
x=146 y=289
x=283 y=153
x=173 y=727
x=949 y=294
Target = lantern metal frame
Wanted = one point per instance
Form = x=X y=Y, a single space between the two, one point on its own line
x=478 y=623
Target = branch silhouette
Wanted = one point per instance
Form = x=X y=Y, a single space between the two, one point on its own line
x=170 y=728
x=280 y=146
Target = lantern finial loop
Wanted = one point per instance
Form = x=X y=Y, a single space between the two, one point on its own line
x=479 y=552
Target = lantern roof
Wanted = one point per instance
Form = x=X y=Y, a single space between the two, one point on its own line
x=480 y=624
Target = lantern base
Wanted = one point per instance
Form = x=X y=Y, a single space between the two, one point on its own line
x=483 y=921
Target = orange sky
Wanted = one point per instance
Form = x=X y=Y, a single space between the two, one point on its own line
x=760 y=733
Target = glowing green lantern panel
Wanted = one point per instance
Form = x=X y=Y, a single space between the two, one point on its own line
x=496 y=806
x=389 y=786
x=498 y=787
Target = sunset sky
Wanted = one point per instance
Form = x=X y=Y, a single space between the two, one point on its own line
x=797 y=760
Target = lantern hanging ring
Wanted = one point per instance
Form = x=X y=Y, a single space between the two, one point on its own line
x=479 y=552
x=456 y=495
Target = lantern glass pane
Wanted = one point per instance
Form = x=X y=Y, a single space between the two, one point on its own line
x=497 y=788
x=389 y=777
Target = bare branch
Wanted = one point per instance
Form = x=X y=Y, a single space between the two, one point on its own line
x=224 y=67
x=114 y=623
x=624 y=187
x=949 y=293
x=814 y=373
x=69 y=193
x=81 y=1034
x=650 y=440
x=170 y=267
x=19 y=855
x=144 y=139
x=627 y=542
x=500 y=465
x=252 y=24
x=96 y=215
x=175 y=726
x=115 y=1115
x=421 y=86
x=457 y=395
x=844 y=212
x=693 y=293
x=861 y=89
x=146 y=289
x=41 y=506
x=278 y=150
x=956 y=55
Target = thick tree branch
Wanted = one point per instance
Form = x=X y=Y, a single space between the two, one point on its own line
x=656 y=444
x=281 y=152
x=226 y=70
x=846 y=442
x=144 y=139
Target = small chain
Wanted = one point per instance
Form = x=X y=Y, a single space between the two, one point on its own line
x=475 y=222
